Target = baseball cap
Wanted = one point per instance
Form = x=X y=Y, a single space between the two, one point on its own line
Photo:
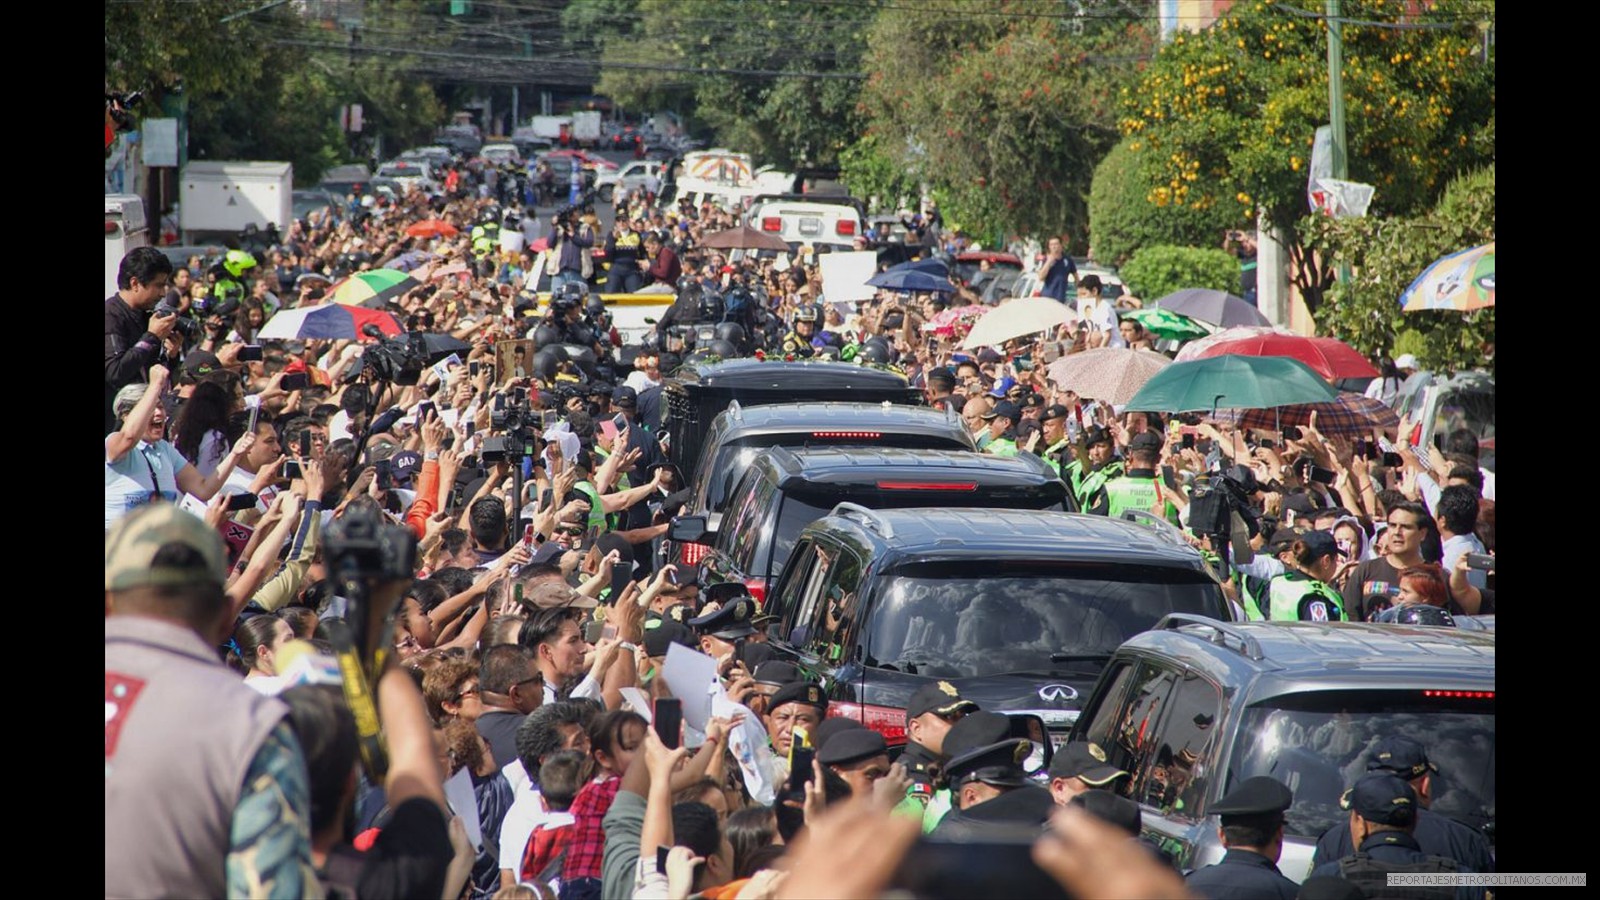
x=547 y=556
x=201 y=364
x=661 y=634
x=1382 y=798
x=555 y=595
x=404 y=465
x=1084 y=760
x=1004 y=409
x=147 y=549
x=1054 y=411
x=1400 y=756
x=1405 y=361
x=1145 y=440
x=625 y=397
x=1003 y=386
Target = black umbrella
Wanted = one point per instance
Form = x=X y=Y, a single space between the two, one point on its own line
x=438 y=346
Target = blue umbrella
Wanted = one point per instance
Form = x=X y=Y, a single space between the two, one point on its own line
x=916 y=281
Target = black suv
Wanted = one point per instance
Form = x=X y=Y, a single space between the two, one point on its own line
x=1019 y=609
x=1195 y=706
x=738 y=435
x=697 y=392
x=786 y=490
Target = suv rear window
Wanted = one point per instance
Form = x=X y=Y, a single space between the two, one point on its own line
x=974 y=617
x=734 y=457
x=1320 y=741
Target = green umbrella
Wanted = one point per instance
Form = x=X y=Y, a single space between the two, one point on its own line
x=1164 y=323
x=1239 y=382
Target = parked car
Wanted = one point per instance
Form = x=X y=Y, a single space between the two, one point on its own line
x=342 y=181
x=436 y=155
x=630 y=177
x=1018 y=609
x=1195 y=706
x=738 y=435
x=1439 y=405
x=408 y=174
x=967 y=267
x=786 y=490
x=808 y=219
x=502 y=154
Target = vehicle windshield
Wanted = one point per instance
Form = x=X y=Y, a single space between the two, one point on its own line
x=1319 y=741
x=973 y=617
x=1472 y=410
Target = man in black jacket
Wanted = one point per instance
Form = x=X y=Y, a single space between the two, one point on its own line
x=134 y=340
x=988 y=786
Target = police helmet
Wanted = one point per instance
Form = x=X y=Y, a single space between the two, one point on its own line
x=732 y=332
x=723 y=349
x=1417 y=614
x=237 y=261
x=688 y=284
x=545 y=362
x=545 y=335
x=806 y=312
x=594 y=307
x=875 y=350
x=711 y=306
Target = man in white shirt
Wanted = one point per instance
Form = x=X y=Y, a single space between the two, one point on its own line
x=646 y=374
x=1457 y=514
x=556 y=638
x=1100 y=314
x=548 y=729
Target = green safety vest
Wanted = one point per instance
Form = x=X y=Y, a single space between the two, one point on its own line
x=614 y=519
x=1049 y=457
x=1126 y=492
x=936 y=809
x=1086 y=485
x=1287 y=590
x=1252 y=604
x=1001 y=446
x=597 y=515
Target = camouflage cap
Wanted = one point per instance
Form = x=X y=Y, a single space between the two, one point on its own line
x=134 y=542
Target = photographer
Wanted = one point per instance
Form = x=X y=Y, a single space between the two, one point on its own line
x=134 y=339
x=571 y=239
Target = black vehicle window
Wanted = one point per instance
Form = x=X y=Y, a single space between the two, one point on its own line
x=790 y=591
x=837 y=608
x=810 y=592
x=1318 y=743
x=1178 y=772
x=1131 y=743
x=1101 y=719
x=743 y=524
x=976 y=617
x=731 y=531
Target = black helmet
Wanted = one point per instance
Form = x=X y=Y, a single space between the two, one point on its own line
x=688 y=284
x=594 y=307
x=1417 y=614
x=806 y=312
x=875 y=350
x=711 y=306
x=545 y=335
x=722 y=348
x=545 y=362
x=732 y=332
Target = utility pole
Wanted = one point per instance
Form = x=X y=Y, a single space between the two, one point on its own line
x=1341 y=164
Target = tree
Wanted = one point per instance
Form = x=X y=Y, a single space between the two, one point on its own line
x=1228 y=115
x=1155 y=272
x=1123 y=218
x=1386 y=255
x=1010 y=108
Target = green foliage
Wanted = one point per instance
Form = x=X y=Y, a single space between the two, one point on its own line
x=1154 y=272
x=1122 y=219
x=1005 y=112
x=1386 y=255
x=871 y=174
x=1229 y=115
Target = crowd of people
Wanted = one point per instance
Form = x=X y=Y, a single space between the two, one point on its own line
x=521 y=654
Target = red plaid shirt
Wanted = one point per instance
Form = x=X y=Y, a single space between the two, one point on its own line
x=587 y=847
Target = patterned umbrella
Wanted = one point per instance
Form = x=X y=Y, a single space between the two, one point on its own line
x=1461 y=281
x=1164 y=323
x=949 y=320
x=1192 y=349
x=1108 y=374
x=327 y=321
x=1349 y=415
x=1331 y=358
x=373 y=289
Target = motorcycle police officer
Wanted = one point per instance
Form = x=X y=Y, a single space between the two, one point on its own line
x=798 y=341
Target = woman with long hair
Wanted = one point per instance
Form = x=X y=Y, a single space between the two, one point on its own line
x=200 y=432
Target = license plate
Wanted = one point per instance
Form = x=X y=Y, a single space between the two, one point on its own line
x=810 y=227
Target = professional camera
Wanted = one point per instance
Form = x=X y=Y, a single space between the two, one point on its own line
x=189 y=328
x=400 y=361
x=362 y=544
x=214 y=304
x=511 y=415
x=1216 y=496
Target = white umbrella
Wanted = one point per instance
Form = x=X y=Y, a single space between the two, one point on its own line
x=1015 y=318
x=1194 y=348
x=1108 y=374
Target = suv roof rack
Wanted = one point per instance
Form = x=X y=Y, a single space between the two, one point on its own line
x=1222 y=632
x=866 y=516
x=1159 y=525
x=735 y=411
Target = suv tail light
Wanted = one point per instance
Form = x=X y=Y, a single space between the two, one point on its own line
x=758 y=589
x=1461 y=695
x=888 y=721
x=771 y=223
x=848 y=435
x=927 y=486
x=693 y=554
x=845 y=227
x=111 y=227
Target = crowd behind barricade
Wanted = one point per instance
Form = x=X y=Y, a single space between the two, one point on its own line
x=489 y=408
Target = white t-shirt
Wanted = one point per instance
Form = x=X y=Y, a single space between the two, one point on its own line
x=526 y=812
x=239 y=483
x=639 y=381
x=132 y=479
x=1101 y=315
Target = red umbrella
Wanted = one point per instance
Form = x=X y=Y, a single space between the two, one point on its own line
x=1331 y=358
x=432 y=228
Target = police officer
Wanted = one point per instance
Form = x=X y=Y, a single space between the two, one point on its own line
x=1001 y=438
x=1092 y=466
x=1053 y=434
x=934 y=709
x=988 y=785
x=1252 y=830
x=798 y=341
x=1078 y=767
x=721 y=628
x=858 y=755
x=798 y=704
x=769 y=677
x=1435 y=834
x=1138 y=487
x=230 y=279
x=1302 y=593
x=1383 y=819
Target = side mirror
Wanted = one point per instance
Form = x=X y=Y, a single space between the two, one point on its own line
x=1032 y=727
x=690 y=530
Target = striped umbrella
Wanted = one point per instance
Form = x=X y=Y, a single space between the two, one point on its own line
x=1349 y=415
x=373 y=289
x=327 y=321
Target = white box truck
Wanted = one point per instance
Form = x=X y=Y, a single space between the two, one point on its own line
x=586 y=126
x=126 y=230
x=549 y=127
x=224 y=197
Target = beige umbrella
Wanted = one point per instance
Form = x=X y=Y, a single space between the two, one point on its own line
x=1015 y=318
x=1108 y=374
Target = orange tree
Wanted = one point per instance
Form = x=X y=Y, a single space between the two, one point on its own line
x=1227 y=116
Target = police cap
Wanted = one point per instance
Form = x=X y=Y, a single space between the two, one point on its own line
x=1145 y=440
x=850 y=745
x=1084 y=760
x=661 y=634
x=1111 y=809
x=1257 y=796
x=730 y=622
x=830 y=727
x=940 y=697
x=805 y=693
x=776 y=672
x=1400 y=756
x=1383 y=799
x=981 y=748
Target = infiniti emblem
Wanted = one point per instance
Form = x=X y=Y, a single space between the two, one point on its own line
x=1058 y=692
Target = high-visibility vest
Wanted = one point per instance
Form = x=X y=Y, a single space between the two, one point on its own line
x=597 y=513
x=1001 y=446
x=1287 y=591
x=1128 y=492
